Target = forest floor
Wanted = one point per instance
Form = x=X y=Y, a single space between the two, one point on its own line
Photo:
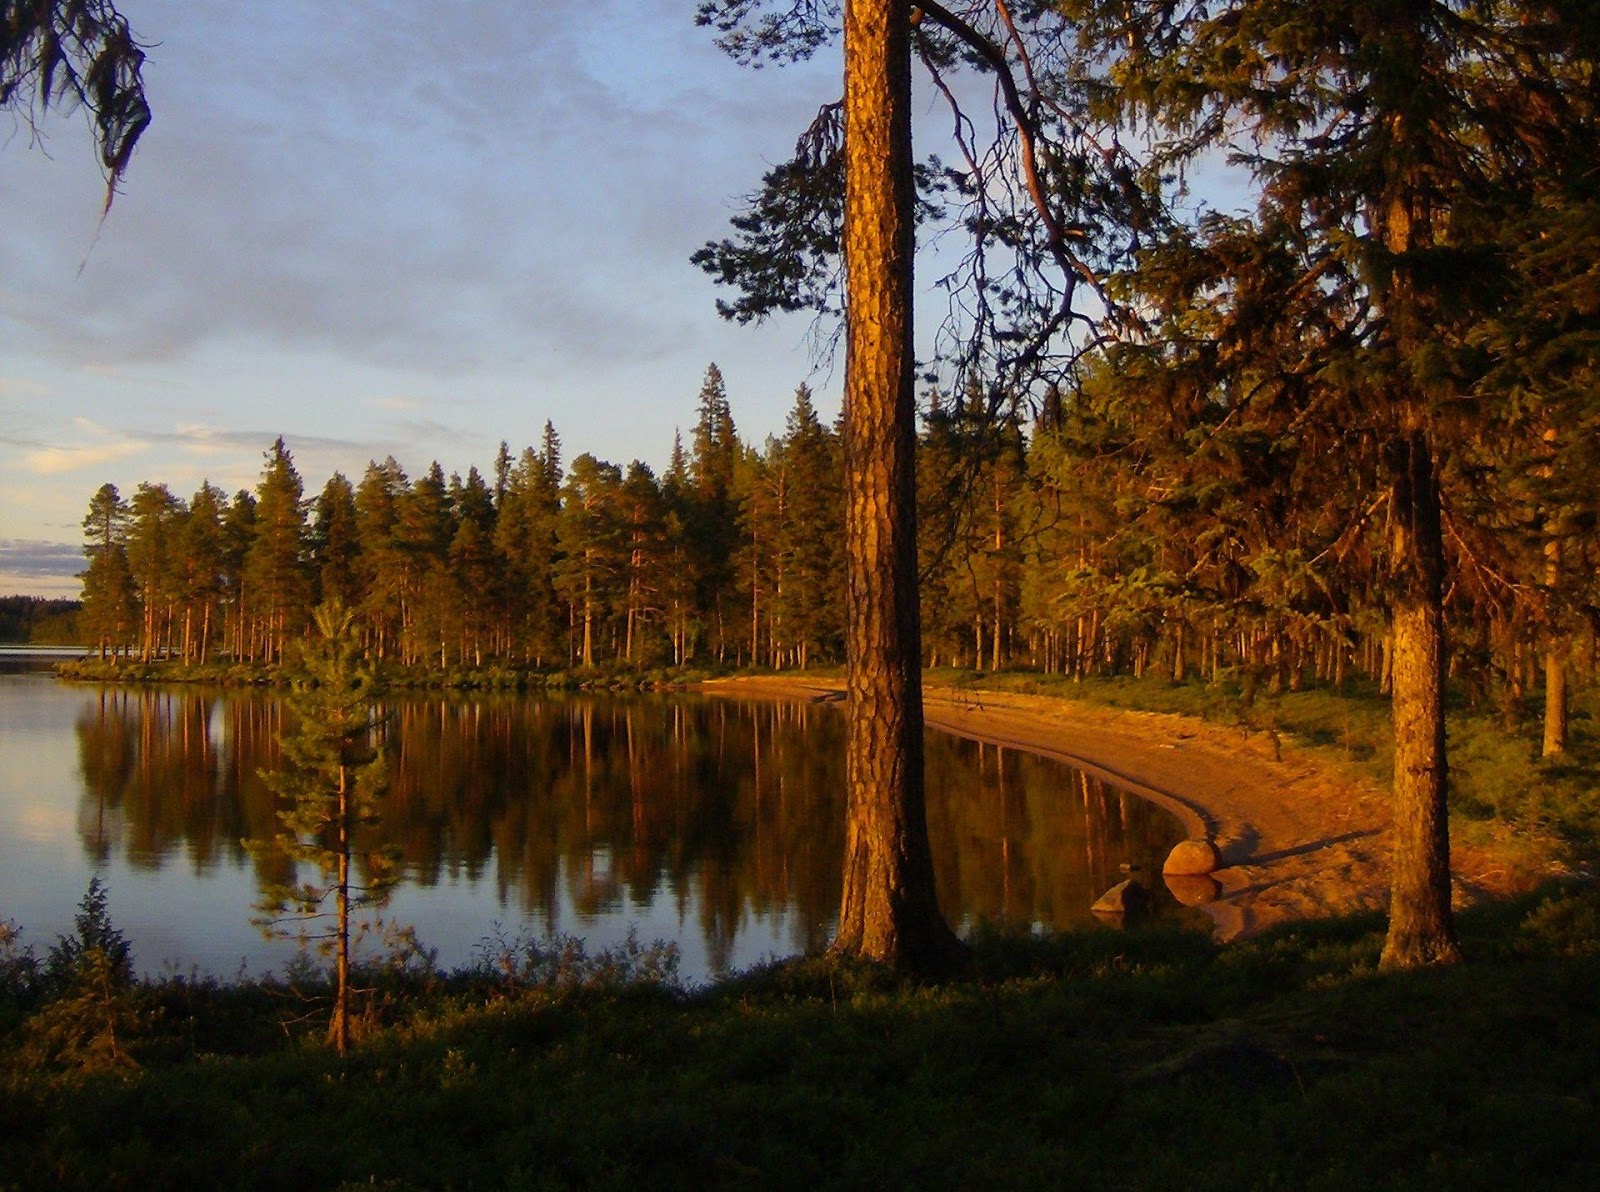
x=1301 y=834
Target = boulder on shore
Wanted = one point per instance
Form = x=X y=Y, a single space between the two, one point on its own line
x=1192 y=858
x=1124 y=898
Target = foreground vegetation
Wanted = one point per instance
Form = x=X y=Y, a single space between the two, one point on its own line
x=1117 y=1059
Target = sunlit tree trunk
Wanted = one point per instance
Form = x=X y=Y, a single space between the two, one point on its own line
x=889 y=911
x=1555 y=665
x=1421 y=928
x=339 y=1029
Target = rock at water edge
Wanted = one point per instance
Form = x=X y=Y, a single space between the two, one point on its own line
x=1124 y=898
x=1192 y=858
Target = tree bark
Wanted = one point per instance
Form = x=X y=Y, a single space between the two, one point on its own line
x=1555 y=664
x=1555 y=703
x=339 y=1028
x=1421 y=927
x=889 y=911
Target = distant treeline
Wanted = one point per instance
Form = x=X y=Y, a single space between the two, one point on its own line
x=1061 y=543
x=35 y=620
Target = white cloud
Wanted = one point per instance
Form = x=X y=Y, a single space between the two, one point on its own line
x=24 y=387
x=53 y=461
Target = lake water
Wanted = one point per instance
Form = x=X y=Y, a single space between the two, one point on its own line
x=715 y=823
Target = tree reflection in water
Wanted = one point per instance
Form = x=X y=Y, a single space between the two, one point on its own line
x=717 y=814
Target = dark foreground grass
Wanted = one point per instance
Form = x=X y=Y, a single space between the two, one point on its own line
x=1096 y=1060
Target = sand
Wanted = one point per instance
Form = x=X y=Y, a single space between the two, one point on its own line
x=1299 y=835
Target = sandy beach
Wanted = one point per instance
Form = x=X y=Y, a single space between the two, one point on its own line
x=1299 y=836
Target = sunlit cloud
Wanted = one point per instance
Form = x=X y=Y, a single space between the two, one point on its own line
x=54 y=461
x=24 y=387
x=204 y=440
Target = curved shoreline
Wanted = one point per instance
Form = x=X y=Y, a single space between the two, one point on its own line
x=1298 y=839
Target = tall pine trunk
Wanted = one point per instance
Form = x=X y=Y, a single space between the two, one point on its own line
x=1421 y=927
x=339 y=1027
x=1555 y=663
x=889 y=911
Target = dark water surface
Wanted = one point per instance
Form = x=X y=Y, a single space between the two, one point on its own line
x=715 y=823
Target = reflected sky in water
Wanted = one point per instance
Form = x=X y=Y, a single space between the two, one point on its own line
x=715 y=823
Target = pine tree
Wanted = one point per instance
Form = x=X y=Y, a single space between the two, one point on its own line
x=108 y=590
x=810 y=537
x=677 y=495
x=1377 y=127
x=201 y=550
x=640 y=513
x=711 y=512
x=525 y=538
x=590 y=574
x=383 y=564
x=154 y=517
x=423 y=530
x=276 y=576
x=334 y=545
x=1034 y=200
x=238 y=532
x=474 y=565
x=329 y=790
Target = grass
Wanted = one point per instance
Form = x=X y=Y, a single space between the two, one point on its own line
x=1099 y=1059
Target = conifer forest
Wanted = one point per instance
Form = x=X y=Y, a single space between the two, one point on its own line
x=1071 y=543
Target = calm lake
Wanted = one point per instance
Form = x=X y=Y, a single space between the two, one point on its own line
x=715 y=823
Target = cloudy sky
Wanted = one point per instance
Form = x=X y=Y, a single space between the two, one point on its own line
x=381 y=227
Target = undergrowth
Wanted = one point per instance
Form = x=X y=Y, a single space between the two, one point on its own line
x=1101 y=1059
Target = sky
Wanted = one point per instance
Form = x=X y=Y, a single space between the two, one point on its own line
x=382 y=228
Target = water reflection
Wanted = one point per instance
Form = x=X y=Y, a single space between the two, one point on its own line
x=726 y=817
